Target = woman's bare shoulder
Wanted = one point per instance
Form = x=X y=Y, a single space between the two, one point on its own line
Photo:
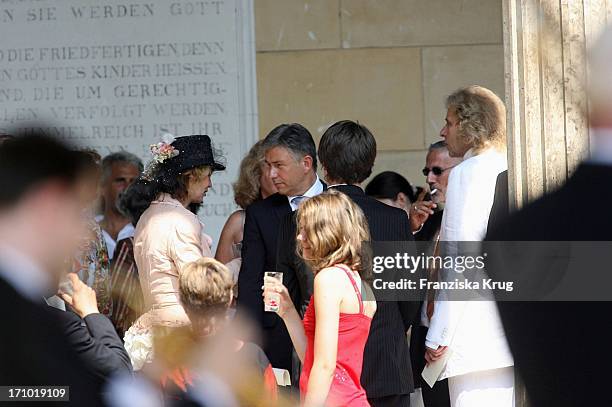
x=234 y=222
x=236 y=217
x=330 y=273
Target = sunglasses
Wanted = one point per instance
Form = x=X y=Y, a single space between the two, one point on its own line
x=436 y=170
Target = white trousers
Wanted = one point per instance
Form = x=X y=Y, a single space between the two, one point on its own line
x=483 y=389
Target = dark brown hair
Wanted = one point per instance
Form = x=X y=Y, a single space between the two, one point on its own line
x=347 y=151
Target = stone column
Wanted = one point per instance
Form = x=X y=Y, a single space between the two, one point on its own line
x=545 y=46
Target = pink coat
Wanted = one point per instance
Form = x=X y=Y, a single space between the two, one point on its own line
x=168 y=236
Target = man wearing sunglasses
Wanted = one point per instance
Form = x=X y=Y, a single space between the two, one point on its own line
x=426 y=218
x=426 y=214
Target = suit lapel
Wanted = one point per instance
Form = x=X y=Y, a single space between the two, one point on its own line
x=281 y=206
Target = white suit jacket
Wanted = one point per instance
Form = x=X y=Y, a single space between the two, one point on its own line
x=472 y=329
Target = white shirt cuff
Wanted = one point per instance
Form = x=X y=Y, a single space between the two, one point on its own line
x=431 y=345
x=419 y=229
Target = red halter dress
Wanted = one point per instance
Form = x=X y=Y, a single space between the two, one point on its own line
x=353 y=330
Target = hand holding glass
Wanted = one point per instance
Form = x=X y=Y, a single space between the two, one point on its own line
x=272 y=299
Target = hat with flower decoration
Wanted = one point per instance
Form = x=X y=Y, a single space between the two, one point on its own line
x=176 y=155
x=194 y=151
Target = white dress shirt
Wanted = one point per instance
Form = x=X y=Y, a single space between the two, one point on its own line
x=315 y=189
x=111 y=244
x=601 y=147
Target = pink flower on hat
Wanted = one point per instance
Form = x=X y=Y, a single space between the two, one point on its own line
x=163 y=151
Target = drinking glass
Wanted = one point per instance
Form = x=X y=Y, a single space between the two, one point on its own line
x=272 y=300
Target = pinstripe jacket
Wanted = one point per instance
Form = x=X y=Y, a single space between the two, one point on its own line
x=386 y=362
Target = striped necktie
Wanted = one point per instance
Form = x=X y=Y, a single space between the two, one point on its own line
x=297 y=200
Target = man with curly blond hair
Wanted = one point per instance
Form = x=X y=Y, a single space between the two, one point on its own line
x=469 y=336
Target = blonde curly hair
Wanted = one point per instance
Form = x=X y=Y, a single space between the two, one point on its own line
x=247 y=188
x=335 y=228
x=482 y=117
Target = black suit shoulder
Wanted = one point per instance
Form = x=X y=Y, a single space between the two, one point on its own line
x=547 y=218
x=386 y=222
x=96 y=342
x=33 y=350
x=560 y=215
x=538 y=332
x=261 y=206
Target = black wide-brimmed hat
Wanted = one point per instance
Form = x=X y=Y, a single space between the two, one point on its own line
x=194 y=151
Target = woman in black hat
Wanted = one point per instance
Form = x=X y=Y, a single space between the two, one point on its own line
x=168 y=235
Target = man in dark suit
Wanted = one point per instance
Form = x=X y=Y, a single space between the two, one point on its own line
x=425 y=220
x=557 y=360
x=347 y=152
x=40 y=226
x=560 y=348
x=290 y=155
x=91 y=334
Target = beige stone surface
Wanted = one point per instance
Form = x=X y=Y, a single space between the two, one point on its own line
x=382 y=88
x=446 y=69
x=407 y=163
x=372 y=23
x=296 y=24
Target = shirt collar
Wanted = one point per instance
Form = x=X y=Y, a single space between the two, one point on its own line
x=601 y=146
x=315 y=189
x=166 y=198
x=26 y=276
x=125 y=232
x=468 y=154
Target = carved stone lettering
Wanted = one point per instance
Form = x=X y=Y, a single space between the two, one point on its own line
x=116 y=75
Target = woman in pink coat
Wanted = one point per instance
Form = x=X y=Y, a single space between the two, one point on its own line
x=168 y=235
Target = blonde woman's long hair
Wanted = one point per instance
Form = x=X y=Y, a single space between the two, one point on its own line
x=247 y=189
x=336 y=230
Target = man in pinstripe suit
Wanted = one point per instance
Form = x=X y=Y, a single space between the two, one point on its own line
x=347 y=152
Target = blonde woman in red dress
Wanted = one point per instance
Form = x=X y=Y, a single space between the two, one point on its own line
x=331 y=339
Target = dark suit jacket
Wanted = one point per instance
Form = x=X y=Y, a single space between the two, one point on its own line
x=258 y=255
x=560 y=348
x=430 y=228
x=501 y=206
x=386 y=364
x=289 y=262
x=96 y=342
x=34 y=351
x=438 y=395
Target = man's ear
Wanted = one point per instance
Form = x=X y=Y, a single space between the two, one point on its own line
x=307 y=163
x=403 y=200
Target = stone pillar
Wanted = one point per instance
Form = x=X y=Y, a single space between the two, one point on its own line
x=545 y=45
